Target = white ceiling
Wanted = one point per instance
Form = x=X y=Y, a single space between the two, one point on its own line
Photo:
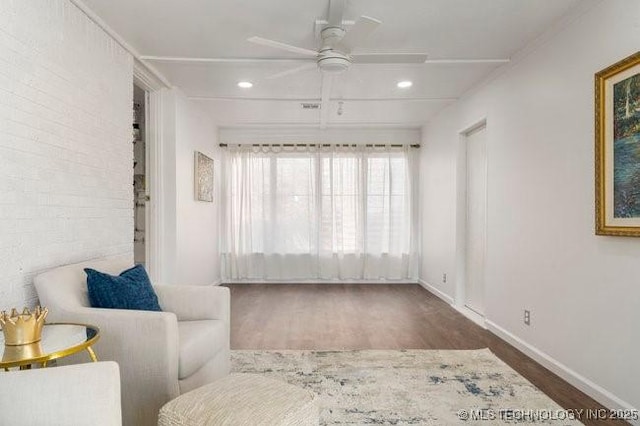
x=444 y=29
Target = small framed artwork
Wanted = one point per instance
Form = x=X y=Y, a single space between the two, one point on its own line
x=617 y=148
x=203 y=177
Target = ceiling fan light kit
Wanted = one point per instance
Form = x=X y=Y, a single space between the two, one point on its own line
x=334 y=63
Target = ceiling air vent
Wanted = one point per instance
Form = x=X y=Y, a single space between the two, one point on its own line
x=310 y=105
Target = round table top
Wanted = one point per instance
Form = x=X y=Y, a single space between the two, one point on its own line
x=58 y=340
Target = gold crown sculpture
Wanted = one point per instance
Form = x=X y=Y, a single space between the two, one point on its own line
x=24 y=328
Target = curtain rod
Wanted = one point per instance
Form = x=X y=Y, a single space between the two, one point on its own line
x=417 y=145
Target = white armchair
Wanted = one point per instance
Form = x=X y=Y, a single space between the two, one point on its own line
x=161 y=354
x=83 y=394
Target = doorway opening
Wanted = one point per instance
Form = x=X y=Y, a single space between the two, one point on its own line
x=140 y=175
x=476 y=216
x=471 y=222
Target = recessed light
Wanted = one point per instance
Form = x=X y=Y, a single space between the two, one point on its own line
x=404 y=84
x=245 y=84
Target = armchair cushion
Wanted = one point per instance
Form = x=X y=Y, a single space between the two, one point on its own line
x=130 y=290
x=199 y=341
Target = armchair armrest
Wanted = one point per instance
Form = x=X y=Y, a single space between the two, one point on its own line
x=191 y=303
x=138 y=340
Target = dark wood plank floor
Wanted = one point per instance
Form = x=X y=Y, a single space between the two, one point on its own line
x=374 y=316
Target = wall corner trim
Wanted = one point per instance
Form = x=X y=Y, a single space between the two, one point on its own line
x=148 y=77
x=468 y=313
x=436 y=292
x=121 y=41
x=595 y=391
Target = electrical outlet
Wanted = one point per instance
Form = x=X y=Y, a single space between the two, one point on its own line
x=527 y=317
x=444 y=278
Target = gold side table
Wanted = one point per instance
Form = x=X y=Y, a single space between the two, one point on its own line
x=58 y=340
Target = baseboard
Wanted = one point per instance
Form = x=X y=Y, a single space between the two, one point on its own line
x=580 y=382
x=595 y=391
x=436 y=292
x=471 y=315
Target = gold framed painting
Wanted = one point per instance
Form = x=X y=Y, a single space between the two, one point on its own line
x=203 y=177
x=617 y=148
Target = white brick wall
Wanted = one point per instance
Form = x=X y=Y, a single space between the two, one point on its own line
x=65 y=143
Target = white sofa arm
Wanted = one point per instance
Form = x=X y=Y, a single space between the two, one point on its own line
x=191 y=303
x=74 y=395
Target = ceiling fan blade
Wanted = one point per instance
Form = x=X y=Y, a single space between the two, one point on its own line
x=282 y=46
x=292 y=71
x=187 y=60
x=389 y=58
x=360 y=31
x=336 y=10
x=466 y=61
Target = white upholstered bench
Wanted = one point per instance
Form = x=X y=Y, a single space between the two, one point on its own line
x=242 y=399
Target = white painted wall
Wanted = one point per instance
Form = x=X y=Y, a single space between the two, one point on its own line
x=189 y=234
x=65 y=143
x=583 y=290
x=198 y=252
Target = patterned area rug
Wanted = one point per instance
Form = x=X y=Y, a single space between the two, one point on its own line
x=409 y=387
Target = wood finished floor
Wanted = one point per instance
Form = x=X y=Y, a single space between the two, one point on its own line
x=374 y=316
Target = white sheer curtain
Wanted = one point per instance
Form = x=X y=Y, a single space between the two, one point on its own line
x=311 y=213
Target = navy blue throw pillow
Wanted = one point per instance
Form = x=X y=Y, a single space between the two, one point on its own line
x=130 y=290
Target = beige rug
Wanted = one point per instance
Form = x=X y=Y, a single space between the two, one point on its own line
x=409 y=387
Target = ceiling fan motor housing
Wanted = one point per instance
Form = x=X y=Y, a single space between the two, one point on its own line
x=331 y=36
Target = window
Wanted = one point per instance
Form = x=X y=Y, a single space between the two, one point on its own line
x=326 y=214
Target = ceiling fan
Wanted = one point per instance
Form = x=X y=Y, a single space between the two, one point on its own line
x=335 y=54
